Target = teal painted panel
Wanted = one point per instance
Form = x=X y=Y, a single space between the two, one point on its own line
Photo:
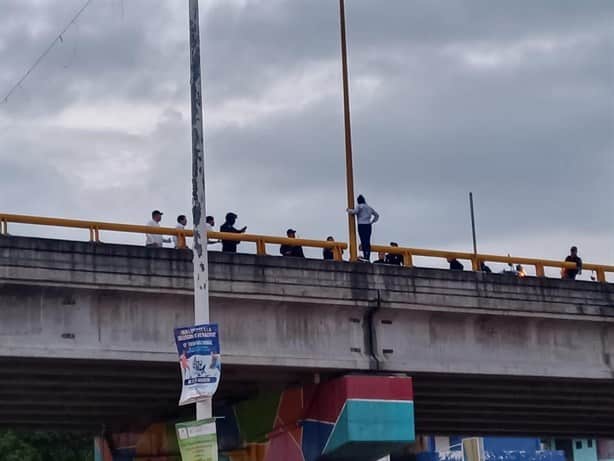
x=365 y=423
x=584 y=450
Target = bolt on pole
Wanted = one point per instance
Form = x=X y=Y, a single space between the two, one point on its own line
x=201 y=275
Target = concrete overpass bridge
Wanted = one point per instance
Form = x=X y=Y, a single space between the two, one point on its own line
x=86 y=337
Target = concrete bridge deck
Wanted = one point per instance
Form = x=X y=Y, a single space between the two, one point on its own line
x=489 y=352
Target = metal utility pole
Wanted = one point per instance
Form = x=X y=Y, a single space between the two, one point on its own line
x=201 y=275
x=349 y=167
x=475 y=246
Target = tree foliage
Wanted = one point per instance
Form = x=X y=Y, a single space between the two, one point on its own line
x=45 y=446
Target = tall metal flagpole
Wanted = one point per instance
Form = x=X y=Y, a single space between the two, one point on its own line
x=201 y=275
x=349 y=167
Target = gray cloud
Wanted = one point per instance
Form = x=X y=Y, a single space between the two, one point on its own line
x=514 y=102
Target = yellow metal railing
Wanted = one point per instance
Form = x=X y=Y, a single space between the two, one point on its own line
x=477 y=259
x=95 y=227
x=262 y=241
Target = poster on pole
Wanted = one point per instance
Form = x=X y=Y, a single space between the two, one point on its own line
x=197 y=440
x=200 y=361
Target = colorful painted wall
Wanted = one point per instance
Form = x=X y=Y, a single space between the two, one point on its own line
x=356 y=417
x=362 y=417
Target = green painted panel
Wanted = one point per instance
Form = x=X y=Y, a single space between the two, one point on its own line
x=256 y=417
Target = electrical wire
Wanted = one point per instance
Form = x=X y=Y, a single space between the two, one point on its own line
x=56 y=40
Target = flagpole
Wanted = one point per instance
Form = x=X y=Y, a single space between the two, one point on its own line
x=349 y=167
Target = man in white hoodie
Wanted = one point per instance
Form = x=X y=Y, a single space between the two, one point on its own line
x=366 y=217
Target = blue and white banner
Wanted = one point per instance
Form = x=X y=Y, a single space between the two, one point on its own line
x=199 y=357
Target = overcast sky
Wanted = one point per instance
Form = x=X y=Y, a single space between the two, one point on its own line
x=511 y=100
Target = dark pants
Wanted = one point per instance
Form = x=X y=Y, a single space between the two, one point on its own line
x=364 y=232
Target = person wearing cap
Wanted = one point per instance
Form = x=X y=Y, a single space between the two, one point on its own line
x=230 y=246
x=295 y=251
x=572 y=258
x=155 y=240
x=394 y=259
x=366 y=217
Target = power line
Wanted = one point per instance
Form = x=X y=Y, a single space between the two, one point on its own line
x=56 y=40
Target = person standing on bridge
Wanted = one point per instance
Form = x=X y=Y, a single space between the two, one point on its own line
x=211 y=228
x=230 y=246
x=179 y=240
x=394 y=259
x=572 y=258
x=381 y=258
x=366 y=217
x=155 y=240
x=295 y=251
x=327 y=253
x=455 y=264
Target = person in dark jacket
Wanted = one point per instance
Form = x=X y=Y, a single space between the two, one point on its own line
x=327 y=253
x=295 y=251
x=485 y=268
x=393 y=258
x=455 y=265
x=230 y=246
x=573 y=258
x=381 y=258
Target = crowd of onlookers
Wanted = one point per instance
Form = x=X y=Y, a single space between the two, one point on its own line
x=366 y=216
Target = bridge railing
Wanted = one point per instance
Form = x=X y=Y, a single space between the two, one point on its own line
x=95 y=227
x=261 y=241
x=477 y=259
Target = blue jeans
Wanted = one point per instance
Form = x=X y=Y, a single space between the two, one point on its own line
x=364 y=232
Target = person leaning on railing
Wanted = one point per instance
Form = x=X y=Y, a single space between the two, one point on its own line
x=179 y=240
x=295 y=251
x=210 y=228
x=328 y=253
x=572 y=258
x=230 y=246
x=155 y=240
x=394 y=259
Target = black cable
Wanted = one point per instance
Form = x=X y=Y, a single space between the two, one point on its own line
x=57 y=39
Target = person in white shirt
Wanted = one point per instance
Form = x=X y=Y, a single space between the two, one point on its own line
x=211 y=228
x=155 y=240
x=179 y=241
x=366 y=217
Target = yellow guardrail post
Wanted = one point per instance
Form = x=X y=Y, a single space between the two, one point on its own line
x=475 y=263
x=539 y=270
x=337 y=253
x=408 y=260
x=601 y=274
x=260 y=247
